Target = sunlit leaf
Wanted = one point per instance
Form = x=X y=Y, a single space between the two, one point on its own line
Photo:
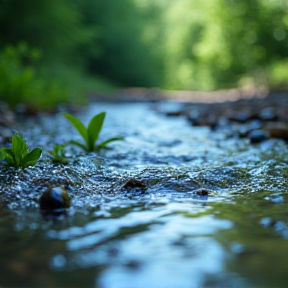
x=19 y=148
x=94 y=128
x=76 y=143
x=8 y=156
x=105 y=143
x=91 y=133
x=2 y=155
x=79 y=126
x=32 y=157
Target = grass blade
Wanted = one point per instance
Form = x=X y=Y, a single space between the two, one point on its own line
x=94 y=129
x=32 y=157
x=2 y=155
x=8 y=156
x=79 y=126
x=76 y=143
x=106 y=142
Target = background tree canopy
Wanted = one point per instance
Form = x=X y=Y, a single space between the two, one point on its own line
x=187 y=44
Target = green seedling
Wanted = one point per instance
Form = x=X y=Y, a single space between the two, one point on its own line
x=58 y=154
x=91 y=133
x=19 y=155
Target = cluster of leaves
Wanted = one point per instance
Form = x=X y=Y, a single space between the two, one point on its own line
x=87 y=36
x=91 y=133
x=19 y=155
x=202 y=52
x=22 y=81
x=58 y=154
x=183 y=44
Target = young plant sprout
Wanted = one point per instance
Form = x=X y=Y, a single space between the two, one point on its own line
x=19 y=155
x=91 y=133
x=58 y=154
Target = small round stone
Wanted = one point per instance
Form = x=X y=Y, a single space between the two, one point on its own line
x=257 y=136
x=54 y=198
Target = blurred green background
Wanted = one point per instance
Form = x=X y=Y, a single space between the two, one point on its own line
x=54 y=51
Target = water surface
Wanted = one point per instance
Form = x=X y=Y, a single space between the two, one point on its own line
x=164 y=237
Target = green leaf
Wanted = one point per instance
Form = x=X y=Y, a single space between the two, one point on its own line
x=76 y=143
x=105 y=143
x=31 y=158
x=60 y=150
x=79 y=126
x=8 y=156
x=2 y=155
x=94 y=129
x=19 y=149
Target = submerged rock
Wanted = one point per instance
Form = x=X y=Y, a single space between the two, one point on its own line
x=134 y=183
x=201 y=192
x=278 y=131
x=268 y=114
x=134 y=186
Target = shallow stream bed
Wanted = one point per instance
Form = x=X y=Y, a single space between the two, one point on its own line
x=169 y=235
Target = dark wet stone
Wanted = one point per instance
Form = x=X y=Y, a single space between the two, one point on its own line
x=171 y=108
x=268 y=114
x=193 y=118
x=27 y=110
x=257 y=136
x=278 y=132
x=134 y=183
x=201 y=192
x=241 y=116
x=133 y=264
x=54 y=198
x=245 y=129
x=170 y=143
x=196 y=122
x=179 y=242
x=211 y=122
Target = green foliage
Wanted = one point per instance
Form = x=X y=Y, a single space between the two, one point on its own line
x=88 y=35
x=120 y=51
x=22 y=82
x=217 y=43
x=2 y=155
x=19 y=155
x=52 y=26
x=58 y=154
x=91 y=133
x=187 y=44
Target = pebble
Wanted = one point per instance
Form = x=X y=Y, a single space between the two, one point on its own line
x=257 y=136
x=134 y=183
x=278 y=132
x=54 y=198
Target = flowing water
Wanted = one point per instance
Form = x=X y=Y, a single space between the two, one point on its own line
x=166 y=236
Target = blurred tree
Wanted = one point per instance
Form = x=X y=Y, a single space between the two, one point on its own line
x=120 y=52
x=97 y=37
x=246 y=40
x=53 y=26
x=217 y=43
x=187 y=44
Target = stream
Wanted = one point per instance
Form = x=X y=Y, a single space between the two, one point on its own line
x=168 y=235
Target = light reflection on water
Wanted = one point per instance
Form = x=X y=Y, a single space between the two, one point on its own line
x=147 y=248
